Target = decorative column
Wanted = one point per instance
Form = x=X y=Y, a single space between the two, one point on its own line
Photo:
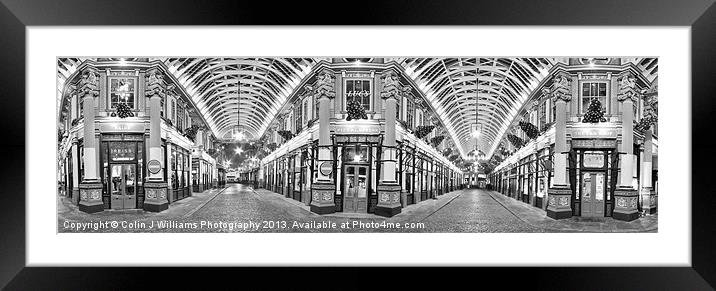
x=388 y=188
x=647 y=192
x=651 y=115
x=404 y=176
x=323 y=189
x=155 y=188
x=625 y=196
x=169 y=169
x=560 y=195
x=91 y=186
x=75 y=172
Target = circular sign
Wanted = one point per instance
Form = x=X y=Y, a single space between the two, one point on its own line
x=326 y=168
x=154 y=166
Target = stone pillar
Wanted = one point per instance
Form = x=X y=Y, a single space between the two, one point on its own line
x=155 y=188
x=169 y=169
x=404 y=177
x=626 y=196
x=560 y=195
x=388 y=188
x=75 y=172
x=323 y=189
x=91 y=186
x=648 y=196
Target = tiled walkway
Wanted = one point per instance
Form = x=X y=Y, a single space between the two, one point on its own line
x=244 y=209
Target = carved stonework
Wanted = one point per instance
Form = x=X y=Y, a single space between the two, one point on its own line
x=154 y=82
x=89 y=82
x=561 y=88
x=627 y=88
x=325 y=86
x=392 y=87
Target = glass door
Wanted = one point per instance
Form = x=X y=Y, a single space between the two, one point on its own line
x=592 y=194
x=123 y=186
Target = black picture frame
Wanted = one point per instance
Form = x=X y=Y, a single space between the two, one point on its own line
x=16 y=15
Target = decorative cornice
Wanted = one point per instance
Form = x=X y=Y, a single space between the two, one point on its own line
x=155 y=84
x=89 y=82
x=627 y=88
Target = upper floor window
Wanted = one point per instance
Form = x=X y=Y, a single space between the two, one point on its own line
x=410 y=109
x=397 y=108
x=542 y=113
x=180 y=117
x=297 y=116
x=359 y=90
x=305 y=111
x=593 y=90
x=122 y=90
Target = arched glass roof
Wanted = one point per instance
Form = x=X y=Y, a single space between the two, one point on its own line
x=477 y=94
x=265 y=84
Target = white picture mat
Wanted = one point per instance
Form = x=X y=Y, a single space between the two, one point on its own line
x=670 y=246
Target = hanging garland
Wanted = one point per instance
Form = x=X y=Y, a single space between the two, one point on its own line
x=271 y=147
x=437 y=140
x=646 y=122
x=355 y=110
x=453 y=157
x=516 y=141
x=286 y=134
x=594 y=112
x=545 y=127
x=190 y=132
x=529 y=129
x=423 y=130
x=447 y=152
x=122 y=111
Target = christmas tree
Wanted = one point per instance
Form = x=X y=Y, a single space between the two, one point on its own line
x=123 y=110
x=355 y=110
x=594 y=113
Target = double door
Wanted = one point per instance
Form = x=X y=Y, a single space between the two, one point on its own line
x=593 y=191
x=123 y=186
x=356 y=189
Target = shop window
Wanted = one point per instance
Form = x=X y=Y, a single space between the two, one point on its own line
x=359 y=90
x=593 y=90
x=122 y=90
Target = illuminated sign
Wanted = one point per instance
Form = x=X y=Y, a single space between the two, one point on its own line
x=594 y=132
x=121 y=127
x=357 y=129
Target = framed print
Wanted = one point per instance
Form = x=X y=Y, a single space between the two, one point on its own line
x=486 y=135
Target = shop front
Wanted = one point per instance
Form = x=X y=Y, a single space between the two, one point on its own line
x=122 y=158
x=357 y=156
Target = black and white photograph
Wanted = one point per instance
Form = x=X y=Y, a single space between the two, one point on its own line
x=444 y=144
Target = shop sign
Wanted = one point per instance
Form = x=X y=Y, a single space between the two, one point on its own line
x=154 y=166
x=123 y=151
x=121 y=127
x=357 y=129
x=326 y=168
x=594 y=160
x=594 y=132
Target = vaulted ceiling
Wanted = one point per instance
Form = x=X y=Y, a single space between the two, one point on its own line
x=468 y=94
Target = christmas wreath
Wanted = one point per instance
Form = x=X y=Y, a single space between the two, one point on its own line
x=594 y=112
x=271 y=147
x=355 y=110
x=447 y=152
x=529 y=129
x=515 y=141
x=423 y=130
x=122 y=110
x=286 y=134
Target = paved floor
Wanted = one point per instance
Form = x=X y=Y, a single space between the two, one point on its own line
x=239 y=208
